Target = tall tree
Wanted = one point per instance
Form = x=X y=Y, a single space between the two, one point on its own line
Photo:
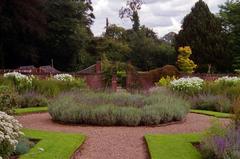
x=22 y=25
x=115 y=32
x=131 y=11
x=113 y=44
x=147 y=51
x=202 y=31
x=68 y=33
x=230 y=15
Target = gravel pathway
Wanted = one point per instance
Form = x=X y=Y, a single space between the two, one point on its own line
x=116 y=142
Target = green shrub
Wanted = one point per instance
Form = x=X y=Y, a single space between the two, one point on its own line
x=24 y=145
x=128 y=116
x=52 y=87
x=7 y=99
x=48 y=88
x=229 y=89
x=165 y=81
x=212 y=102
x=121 y=78
x=7 y=82
x=31 y=99
x=236 y=110
x=118 y=109
x=150 y=116
x=105 y=115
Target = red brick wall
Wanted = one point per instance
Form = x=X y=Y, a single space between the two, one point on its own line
x=145 y=82
x=94 y=81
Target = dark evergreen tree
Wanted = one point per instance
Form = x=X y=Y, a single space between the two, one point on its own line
x=68 y=34
x=230 y=15
x=22 y=25
x=202 y=31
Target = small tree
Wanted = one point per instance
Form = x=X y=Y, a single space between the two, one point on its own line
x=184 y=63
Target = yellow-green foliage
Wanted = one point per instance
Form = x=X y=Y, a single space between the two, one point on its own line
x=184 y=63
x=165 y=81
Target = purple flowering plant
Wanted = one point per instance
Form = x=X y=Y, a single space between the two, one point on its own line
x=221 y=143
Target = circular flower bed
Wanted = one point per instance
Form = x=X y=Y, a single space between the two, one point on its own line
x=118 y=108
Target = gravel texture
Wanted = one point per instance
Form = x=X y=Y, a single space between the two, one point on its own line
x=116 y=142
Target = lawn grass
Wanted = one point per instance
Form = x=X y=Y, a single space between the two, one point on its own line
x=172 y=146
x=21 y=111
x=56 y=145
x=212 y=113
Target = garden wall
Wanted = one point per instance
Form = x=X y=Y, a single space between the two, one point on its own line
x=147 y=80
x=92 y=75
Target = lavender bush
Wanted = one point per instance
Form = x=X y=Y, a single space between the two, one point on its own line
x=222 y=143
x=218 y=103
x=101 y=108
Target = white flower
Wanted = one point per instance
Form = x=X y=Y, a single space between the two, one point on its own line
x=228 y=79
x=64 y=77
x=9 y=129
x=187 y=83
x=19 y=77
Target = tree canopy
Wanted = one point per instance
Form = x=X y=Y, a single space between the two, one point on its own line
x=22 y=25
x=37 y=32
x=203 y=32
x=230 y=16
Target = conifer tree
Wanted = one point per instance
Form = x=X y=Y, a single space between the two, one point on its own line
x=230 y=16
x=202 y=31
x=184 y=63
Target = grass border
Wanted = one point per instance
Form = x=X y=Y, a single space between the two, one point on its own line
x=212 y=113
x=172 y=146
x=53 y=145
x=22 y=111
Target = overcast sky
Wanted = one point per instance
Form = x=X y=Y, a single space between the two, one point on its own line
x=162 y=16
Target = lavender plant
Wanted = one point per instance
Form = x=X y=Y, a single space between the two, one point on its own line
x=222 y=144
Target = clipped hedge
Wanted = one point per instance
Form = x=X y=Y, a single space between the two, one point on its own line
x=118 y=108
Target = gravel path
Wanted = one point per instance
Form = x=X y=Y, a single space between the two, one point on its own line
x=115 y=142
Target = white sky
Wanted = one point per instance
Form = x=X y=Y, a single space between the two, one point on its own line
x=163 y=16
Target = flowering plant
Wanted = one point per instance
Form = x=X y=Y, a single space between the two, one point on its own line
x=9 y=134
x=165 y=81
x=19 y=77
x=227 y=79
x=64 y=77
x=221 y=143
x=187 y=84
x=21 y=81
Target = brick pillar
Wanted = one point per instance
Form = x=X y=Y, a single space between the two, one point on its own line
x=114 y=83
x=98 y=67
